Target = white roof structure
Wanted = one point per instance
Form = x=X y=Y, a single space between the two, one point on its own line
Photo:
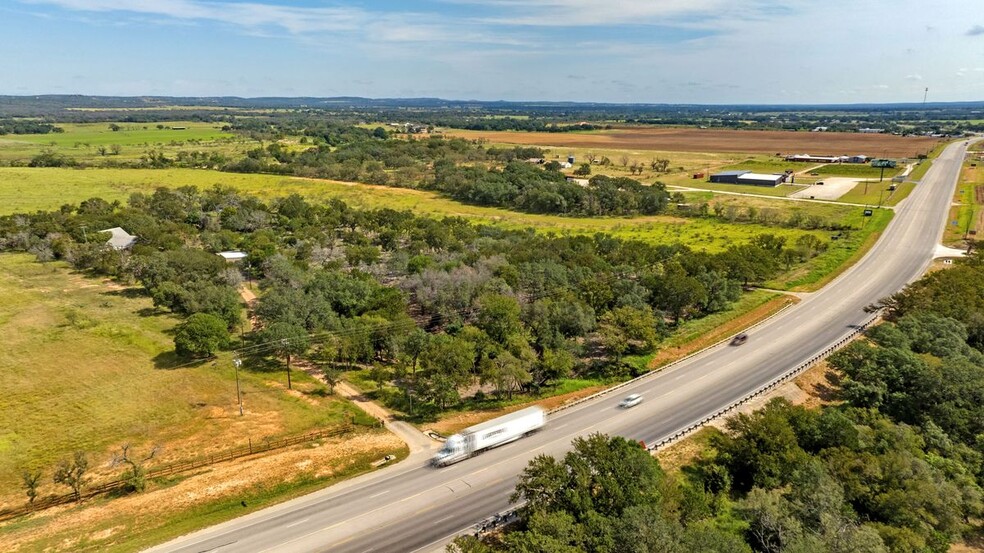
x=121 y=239
x=232 y=256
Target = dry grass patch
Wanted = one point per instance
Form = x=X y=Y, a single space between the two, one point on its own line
x=119 y=523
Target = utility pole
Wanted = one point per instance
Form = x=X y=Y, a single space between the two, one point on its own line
x=236 y=362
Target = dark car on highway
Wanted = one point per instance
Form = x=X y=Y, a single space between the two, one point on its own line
x=739 y=339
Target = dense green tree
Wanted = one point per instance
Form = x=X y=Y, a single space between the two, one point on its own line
x=285 y=340
x=200 y=335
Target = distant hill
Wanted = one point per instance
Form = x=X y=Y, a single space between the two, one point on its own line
x=49 y=103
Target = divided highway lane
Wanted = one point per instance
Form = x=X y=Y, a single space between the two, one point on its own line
x=412 y=506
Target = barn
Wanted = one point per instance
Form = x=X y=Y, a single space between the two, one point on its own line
x=727 y=177
x=748 y=177
x=762 y=179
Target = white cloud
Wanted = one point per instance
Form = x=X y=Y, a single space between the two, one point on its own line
x=292 y=20
x=914 y=77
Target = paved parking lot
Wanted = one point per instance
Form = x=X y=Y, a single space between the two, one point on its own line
x=831 y=189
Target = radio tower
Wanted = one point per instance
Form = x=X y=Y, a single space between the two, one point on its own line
x=925 y=93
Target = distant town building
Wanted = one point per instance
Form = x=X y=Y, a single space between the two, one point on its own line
x=819 y=129
x=867 y=130
x=120 y=239
x=813 y=159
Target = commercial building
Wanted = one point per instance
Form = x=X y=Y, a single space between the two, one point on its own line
x=748 y=177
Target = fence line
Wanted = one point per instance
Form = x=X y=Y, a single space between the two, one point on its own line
x=181 y=466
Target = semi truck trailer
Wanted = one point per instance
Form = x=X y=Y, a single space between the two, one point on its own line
x=489 y=434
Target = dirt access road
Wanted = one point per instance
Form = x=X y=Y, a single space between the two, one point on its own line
x=719 y=140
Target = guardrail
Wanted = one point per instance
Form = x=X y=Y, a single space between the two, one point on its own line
x=767 y=387
x=654 y=372
x=510 y=515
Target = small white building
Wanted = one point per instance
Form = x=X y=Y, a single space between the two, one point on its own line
x=232 y=257
x=120 y=239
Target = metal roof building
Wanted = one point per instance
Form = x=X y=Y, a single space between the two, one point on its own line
x=120 y=239
x=761 y=179
x=730 y=177
x=748 y=177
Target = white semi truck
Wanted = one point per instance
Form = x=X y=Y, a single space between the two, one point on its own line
x=489 y=434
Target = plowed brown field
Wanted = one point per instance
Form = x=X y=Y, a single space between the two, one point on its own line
x=720 y=140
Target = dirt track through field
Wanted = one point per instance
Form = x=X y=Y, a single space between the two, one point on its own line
x=721 y=140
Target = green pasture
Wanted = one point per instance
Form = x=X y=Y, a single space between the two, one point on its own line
x=130 y=134
x=873 y=192
x=96 y=144
x=88 y=365
x=860 y=170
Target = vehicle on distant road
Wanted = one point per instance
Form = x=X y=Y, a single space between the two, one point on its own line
x=739 y=339
x=630 y=401
x=820 y=182
x=502 y=430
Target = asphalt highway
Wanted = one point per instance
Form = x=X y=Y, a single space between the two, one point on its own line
x=414 y=507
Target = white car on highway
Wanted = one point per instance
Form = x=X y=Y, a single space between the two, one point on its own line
x=630 y=401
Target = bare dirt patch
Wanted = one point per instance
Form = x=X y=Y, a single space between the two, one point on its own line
x=720 y=140
x=217 y=482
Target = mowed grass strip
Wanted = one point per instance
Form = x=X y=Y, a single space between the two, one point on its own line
x=85 y=367
x=873 y=192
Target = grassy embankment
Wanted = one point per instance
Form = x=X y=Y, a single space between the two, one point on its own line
x=968 y=215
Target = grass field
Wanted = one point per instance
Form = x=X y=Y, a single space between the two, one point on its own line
x=83 y=141
x=873 y=192
x=969 y=214
x=80 y=371
x=28 y=189
x=855 y=170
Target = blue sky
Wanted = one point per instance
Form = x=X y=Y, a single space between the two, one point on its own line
x=654 y=51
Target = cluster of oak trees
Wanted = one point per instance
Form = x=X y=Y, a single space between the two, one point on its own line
x=433 y=307
x=896 y=464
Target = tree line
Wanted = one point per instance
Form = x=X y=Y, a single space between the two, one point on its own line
x=430 y=307
x=894 y=464
x=27 y=126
